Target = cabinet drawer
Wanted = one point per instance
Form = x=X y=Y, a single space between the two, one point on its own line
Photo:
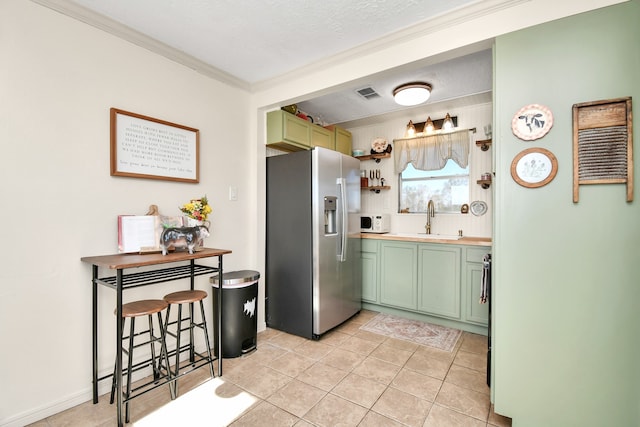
x=476 y=254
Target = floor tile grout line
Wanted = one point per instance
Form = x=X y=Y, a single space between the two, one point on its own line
x=389 y=385
x=468 y=343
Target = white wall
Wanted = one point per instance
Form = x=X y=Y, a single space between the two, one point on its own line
x=58 y=80
x=476 y=116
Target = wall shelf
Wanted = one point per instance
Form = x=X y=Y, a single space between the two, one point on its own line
x=484 y=144
x=376 y=157
x=376 y=188
x=484 y=183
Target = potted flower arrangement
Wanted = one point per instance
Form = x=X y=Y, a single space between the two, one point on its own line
x=197 y=211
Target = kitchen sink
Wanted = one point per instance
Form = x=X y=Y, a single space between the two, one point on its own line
x=434 y=236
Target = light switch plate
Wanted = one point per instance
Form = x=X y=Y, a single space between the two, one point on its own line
x=233 y=193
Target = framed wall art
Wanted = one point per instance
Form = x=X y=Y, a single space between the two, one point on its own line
x=534 y=167
x=144 y=147
x=532 y=122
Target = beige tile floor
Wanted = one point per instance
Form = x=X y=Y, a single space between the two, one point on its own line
x=349 y=377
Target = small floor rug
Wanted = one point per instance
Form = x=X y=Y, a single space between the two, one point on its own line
x=415 y=331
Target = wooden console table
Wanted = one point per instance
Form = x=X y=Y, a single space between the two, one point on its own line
x=122 y=281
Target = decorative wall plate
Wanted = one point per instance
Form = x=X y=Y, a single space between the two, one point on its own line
x=379 y=145
x=478 y=208
x=532 y=122
x=534 y=167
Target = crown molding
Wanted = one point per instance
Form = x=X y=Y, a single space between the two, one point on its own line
x=124 y=32
x=455 y=17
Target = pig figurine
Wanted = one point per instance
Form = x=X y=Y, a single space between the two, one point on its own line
x=181 y=237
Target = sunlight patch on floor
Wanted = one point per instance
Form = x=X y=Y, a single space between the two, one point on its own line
x=200 y=406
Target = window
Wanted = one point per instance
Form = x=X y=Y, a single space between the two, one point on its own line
x=447 y=187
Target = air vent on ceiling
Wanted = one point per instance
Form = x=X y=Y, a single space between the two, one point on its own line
x=368 y=93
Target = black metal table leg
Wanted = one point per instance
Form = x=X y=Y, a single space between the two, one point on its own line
x=192 y=356
x=119 y=345
x=94 y=327
x=220 y=282
x=120 y=282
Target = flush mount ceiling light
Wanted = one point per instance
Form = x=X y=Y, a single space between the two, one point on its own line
x=412 y=93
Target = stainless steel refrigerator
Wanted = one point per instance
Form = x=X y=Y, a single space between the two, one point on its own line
x=313 y=270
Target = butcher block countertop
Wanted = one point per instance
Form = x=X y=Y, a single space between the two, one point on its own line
x=429 y=238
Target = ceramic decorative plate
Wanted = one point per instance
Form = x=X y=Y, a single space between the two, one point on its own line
x=478 y=208
x=379 y=145
x=534 y=167
x=532 y=122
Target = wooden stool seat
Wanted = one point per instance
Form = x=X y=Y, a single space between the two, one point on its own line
x=131 y=311
x=175 y=329
x=183 y=297
x=143 y=307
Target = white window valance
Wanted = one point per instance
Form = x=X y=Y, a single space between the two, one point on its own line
x=431 y=152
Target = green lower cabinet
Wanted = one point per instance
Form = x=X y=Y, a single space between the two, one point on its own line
x=398 y=274
x=438 y=283
x=369 y=258
x=474 y=311
x=439 y=280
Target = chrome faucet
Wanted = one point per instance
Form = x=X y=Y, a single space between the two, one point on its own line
x=431 y=212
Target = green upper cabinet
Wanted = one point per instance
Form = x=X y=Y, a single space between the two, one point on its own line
x=321 y=137
x=398 y=274
x=343 y=139
x=439 y=280
x=287 y=132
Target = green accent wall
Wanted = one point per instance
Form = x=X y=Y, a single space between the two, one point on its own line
x=566 y=276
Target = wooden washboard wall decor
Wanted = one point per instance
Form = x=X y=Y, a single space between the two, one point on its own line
x=603 y=144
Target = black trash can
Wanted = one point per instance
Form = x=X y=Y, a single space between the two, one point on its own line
x=239 y=312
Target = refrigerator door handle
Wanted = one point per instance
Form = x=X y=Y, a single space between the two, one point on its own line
x=342 y=183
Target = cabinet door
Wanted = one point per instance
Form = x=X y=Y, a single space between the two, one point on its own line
x=296 y=130
x=287 y=132
x=321 y=137
x=343 y=141
x=439 y=280
x=474 y=311
x=370 y=277
x=369 y=248
x=398 y=274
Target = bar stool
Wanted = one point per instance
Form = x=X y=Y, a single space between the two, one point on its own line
x=131 y=311
x=188 y=297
